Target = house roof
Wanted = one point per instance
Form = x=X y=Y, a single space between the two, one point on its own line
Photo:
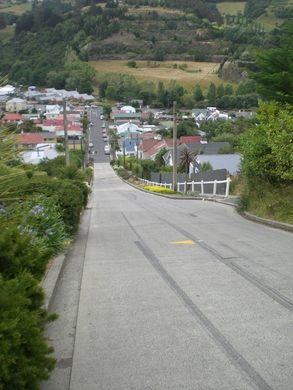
x=122 y=115
x=157 y=146
x=29 y=139
x=231 y=162
x=188 y=139
x=12 y=117
x=128 y=128
x=209 y=148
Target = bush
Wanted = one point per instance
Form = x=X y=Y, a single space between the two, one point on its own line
x=123 y=173
x=159 y=189
x=42 y=221
x=70 y=196
x=24 y=355
x=131 y=64
x=19 y=254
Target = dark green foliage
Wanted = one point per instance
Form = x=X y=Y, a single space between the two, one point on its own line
x=187 y=127
x=19 y=254
x=253 y=8
x=212 y=93
x=131 y=64
x=24 y=355
x=70 y=197
x=275 y=68
x=267 y=148
x=198 y=95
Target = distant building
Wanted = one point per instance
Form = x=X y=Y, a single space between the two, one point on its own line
x=15 y=105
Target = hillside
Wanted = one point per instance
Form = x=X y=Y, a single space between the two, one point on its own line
x=151 y=30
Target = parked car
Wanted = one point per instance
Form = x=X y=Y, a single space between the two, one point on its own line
x=107 y=149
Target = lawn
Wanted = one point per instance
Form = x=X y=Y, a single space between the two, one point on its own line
x=231 y=8
x=6 y=33
x=195 y=72
x=16 y=9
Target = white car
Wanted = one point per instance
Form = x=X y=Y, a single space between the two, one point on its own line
x=107 y=149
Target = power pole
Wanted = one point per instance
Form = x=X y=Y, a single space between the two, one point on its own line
x=174 y=148
x=67 y=160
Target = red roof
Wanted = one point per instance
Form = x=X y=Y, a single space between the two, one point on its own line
x=53 y=122
x=29 y=139
x=70 y=126
x=160 y=144
x=190 y=139
x=12 y=117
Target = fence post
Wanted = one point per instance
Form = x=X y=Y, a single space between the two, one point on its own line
x=192 y=186
x=215 y=188
x=185 y=187
x=201 y=188
x=227 y=186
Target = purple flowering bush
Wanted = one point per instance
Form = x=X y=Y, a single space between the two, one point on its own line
x=41 y=219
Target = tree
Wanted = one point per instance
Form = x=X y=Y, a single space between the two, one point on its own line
x=267 y=147
x=206 y=166
x=159 y=157
x=187 y=127
x=275 y=75
x=229 y=89
x=211 y=95
x=161 y=93
x=186 y=158
x=220 y=91
x=198 y=95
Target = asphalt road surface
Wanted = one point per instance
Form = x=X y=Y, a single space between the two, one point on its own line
x=164 y=294
x=96 y=136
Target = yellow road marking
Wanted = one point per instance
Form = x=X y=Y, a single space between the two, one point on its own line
x=183 y=242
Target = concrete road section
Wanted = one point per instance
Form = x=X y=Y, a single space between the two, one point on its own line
x=174 y=294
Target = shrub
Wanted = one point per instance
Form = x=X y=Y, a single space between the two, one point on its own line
x=42 y=221
x=123 y=173
x=159 y=189
x=24 y=355
x=19 y=254
x=70 y=197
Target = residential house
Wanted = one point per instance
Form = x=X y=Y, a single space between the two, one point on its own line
x=128 y=127
x=230 y=162
x=208 y=148
x=191 y=139
x=29 y=140
x=149 y=148
x=12 y=118
x=7 y=90
x=121 y=117
x=15 y=105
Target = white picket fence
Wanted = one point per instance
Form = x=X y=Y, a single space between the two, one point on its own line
x=181 y=187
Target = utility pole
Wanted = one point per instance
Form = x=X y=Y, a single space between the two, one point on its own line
x=174 y=148
x=67 y=160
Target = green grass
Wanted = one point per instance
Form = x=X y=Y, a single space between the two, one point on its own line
x=16 y=9
x=6 y=33
x=270 y=202
x=231 y=8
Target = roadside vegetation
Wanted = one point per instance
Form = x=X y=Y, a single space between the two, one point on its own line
x=40 y=208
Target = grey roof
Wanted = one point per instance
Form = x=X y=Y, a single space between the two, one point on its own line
x=231 y=162
x=209 y=148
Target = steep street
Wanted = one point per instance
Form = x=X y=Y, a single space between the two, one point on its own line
x=172 y=294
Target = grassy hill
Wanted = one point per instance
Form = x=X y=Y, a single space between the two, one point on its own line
x=186 y=74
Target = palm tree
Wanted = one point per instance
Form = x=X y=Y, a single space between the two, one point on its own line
x=186 y=158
